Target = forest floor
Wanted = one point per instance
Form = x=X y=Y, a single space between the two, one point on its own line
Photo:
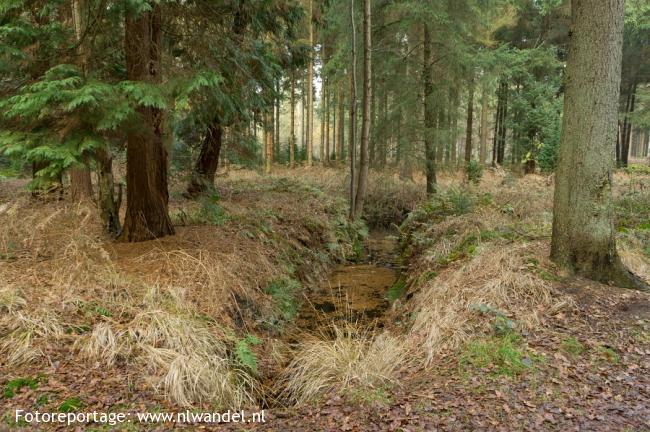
x=447 y=315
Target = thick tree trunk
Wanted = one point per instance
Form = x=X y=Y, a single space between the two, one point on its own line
x=146 y=175
x=81 y=188
x=429 y=115
x=206 y=164
x=484 y=126
x=364 y=161
x=470 y=122
x=583 y=218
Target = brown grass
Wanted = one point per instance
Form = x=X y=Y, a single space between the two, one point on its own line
x=354 y=358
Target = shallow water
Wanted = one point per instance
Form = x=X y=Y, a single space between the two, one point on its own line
x=353 y=293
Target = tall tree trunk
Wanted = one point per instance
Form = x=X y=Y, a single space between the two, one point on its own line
x=205 y=167
x=327 y=124
x=268 y=140
x=429 y=115
x=364 y=161
x=335 y=121
x=310 y=88
x=583 y=219
x=627 y=128
x=352 y=141
x=276 y=124
x=340 y=142
x=292 y=130
x=484 y=126
x=303 y=119
x=81 y=188
x=323 y=98
x=109 y=203
x=470 y=122
x=146 y=173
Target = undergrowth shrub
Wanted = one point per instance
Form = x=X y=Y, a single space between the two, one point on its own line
x=474 y=171
x=389 y=200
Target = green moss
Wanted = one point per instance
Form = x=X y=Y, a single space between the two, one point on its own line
x=14 y=386
x=504 y=355
x=572 y=346
x=397 y=290
x=70 y=405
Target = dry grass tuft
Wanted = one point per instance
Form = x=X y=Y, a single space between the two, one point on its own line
x=352 y=359
x=22 y=335
x=497 y=277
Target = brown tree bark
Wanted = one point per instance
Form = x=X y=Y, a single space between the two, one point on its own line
x=364 y=161
x=81 y=188
x=146 y=174
x=109 y=203
x=340 y=142
x=584 y=239
x=292 y=126
x=205 y=167
x=310 y=88
x=352 y=145
x=484 y=126
x=429 y=115
x=268 y=141
x=470 y=122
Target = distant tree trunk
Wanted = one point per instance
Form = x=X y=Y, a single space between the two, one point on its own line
x=303 y=120
x=484 y=126
x=205 y=167
x=583 y=219
x=335 y=120
x=323 y=99
x=327 y=124
x=340 y=143
x=627 y=126
x=146 y=174
x=365 y=118
x=470 y=122
x=452 y=121
x=109 y=204
x=310 y=88
x=429 y=115
x=268 y=141
x=500 y=131
x=276 y=124
x=292 y=131
x=352 y=144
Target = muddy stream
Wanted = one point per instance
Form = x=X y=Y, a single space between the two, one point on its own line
x=354 y=292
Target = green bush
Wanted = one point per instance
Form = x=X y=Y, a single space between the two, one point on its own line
x=284 y=291
x=474 y=171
